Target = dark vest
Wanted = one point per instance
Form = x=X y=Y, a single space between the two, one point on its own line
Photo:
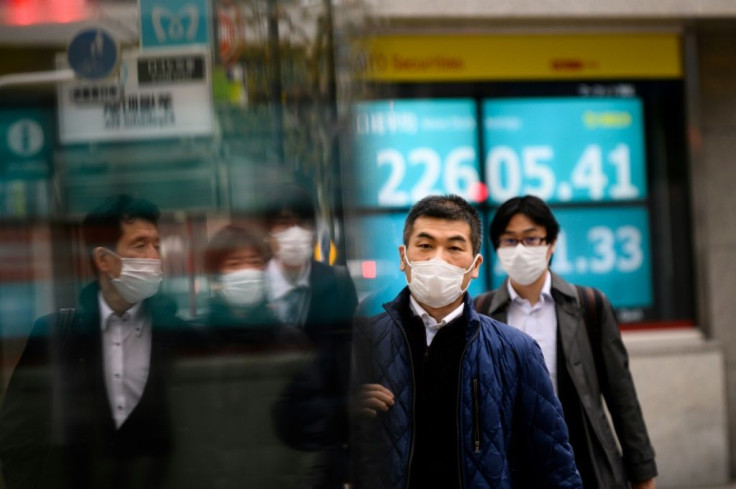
x=436 y=374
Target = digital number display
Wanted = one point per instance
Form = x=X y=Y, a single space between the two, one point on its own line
x=561 y=149
x=607 y=248
x=408 y=149
x=564 y=149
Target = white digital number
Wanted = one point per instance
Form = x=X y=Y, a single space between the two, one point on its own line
x=603 y=240
x=499 y=158
x=621 y=159
x=432 y=169
x=561 y=263
x=504 y=160
x=588 y=172
x=630 y=239
x=532 y=156
x=457 y=177
x=389 y=195
x=461 y=179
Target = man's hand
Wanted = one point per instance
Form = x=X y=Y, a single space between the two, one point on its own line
x=372 y=398
x=648 y=484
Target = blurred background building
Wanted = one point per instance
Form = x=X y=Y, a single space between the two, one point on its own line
x=621 y=114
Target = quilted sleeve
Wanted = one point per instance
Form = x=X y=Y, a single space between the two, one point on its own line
x=544 y=458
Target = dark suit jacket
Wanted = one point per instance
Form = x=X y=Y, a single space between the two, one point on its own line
x=56 y=427
x=332 y=303
x=312 y=412
x=591 y=435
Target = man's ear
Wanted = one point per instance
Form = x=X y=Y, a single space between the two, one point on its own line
x=101 y=259
x=476 y=267
x=402 y=262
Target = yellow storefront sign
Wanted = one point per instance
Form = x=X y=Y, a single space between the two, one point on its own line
x=407 y=58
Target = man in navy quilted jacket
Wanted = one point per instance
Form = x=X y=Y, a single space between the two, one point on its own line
x=444 y=397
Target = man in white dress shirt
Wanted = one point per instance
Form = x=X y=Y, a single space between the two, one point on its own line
x=86 y=406
x=582 y=347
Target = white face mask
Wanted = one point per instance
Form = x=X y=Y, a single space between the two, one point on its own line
x=139 y=278
x=244 y=287
x=524 y=264
x=295 y=246
x=435 y=282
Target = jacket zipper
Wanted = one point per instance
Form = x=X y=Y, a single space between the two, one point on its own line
x=459 y=400
x=476 y=417
x=413 y=403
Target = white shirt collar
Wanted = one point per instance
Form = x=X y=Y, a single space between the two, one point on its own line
x=278 y=282
x=106 y=312
x=544 y=295
x=431 y=323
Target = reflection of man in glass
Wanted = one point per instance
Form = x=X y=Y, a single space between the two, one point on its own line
x=320 y=300
x=581 y=343
x=303 y=292
x=86 y=407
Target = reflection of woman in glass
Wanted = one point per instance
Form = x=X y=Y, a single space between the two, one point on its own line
x=250 y=359
x=238 y=315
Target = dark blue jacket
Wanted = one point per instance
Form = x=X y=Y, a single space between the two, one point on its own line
x=511 y=430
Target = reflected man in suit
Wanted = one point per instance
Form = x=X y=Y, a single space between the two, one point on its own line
x=86 y=405
x=320 y=300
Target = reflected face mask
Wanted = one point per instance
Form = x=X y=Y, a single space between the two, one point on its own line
x=139 y=278
x=295 y=245
x=244 y=287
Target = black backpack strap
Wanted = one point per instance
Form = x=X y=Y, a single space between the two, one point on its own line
x=592 y=302
x=482 y=302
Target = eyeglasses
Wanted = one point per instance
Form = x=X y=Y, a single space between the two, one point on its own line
x=526 y=241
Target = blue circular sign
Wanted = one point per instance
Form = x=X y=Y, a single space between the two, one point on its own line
x=93 y=54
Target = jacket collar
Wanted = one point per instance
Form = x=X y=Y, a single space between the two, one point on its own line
x=569 y=314
x=399 y=310
x=562 y=291
x=161 y=309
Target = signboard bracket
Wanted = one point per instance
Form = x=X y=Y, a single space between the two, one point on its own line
x=36 y=78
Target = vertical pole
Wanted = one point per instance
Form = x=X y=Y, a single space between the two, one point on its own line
x=334 y=169
x=274 y=75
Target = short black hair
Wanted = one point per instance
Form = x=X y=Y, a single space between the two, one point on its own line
x=103 y=226
x=532 y=207
x=290 y=199
x=230 y=239
x=449 y=207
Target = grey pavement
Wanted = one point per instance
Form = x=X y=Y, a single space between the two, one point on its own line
x=731 y=485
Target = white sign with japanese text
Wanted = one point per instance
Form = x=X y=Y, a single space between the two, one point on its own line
x=158 y=94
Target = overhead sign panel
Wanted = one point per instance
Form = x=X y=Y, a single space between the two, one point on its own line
x=159 y=94
x=167 y=23
x=440 y=58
